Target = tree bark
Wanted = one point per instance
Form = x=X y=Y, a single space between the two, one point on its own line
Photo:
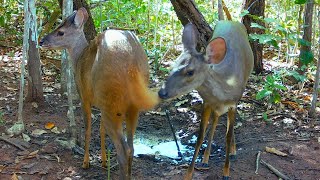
x=316 y=81
x=35 y=86
x=307 y=33
x=188 y=12
x=89 y=28
x=255 y=8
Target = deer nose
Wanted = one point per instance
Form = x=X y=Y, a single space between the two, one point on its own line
x=163 y=94
x=41 y=42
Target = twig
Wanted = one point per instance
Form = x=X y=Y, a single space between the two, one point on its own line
x=275 y=171
x=173 y=132
x=257 y=162
x=12 y=143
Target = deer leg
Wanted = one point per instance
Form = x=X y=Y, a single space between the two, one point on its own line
x=114 y=130
x=203 y=124
x=233 y=149
x=103 y=144
x=131 y=124
x=230 y=135
x=211 y=134
x=87 y=116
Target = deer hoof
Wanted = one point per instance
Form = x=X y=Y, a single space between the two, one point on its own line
x=104 y=164
x=232 y=157
x=226 y=178
x=85 y=165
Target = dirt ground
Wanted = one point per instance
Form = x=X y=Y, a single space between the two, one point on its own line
x=44 y=158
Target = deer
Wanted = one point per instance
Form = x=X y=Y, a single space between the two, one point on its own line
x=220 y=75
x=111 y=73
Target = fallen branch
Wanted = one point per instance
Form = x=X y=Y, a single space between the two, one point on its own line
x=275 y=151
x=274 y=170
x=5 y=139
x=257 y=162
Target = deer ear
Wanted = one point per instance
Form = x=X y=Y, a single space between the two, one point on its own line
x=216 y=50
x=81 y=17
x=190 y=37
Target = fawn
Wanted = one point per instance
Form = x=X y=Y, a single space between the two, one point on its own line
x=111 y=73
x=220 y=76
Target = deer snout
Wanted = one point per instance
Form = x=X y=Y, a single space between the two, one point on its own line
x=163 y=94
x=41 y=42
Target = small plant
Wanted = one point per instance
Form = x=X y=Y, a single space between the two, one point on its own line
x=1 y=118
x=271 y=89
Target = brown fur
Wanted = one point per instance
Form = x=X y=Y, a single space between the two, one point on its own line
x=111 y=73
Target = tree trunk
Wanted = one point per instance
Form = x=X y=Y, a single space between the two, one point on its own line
x=255 y=8
x=188 y=12
x=316 y=81
x=90 y=33
x=89 y=28
x=35 y=87
x=220 y=10
x=307 y=34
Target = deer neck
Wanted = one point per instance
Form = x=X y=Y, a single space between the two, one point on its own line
x=76 y=50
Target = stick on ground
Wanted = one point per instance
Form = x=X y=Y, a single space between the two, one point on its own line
x=275 y=171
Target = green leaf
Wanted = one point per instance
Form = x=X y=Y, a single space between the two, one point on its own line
x=269 y=20
x=276 y=98
x=244 y=12
x=278 y=86
x=265 y=116
x=300 y=1
x=306 y=57
x=304 y=42
x=270 y=79
x=2 y=21
x=262 y=94
x=256 y=25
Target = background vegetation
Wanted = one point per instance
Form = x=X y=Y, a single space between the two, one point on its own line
x=159 y=31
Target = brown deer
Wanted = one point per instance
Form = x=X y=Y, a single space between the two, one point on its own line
x=220 y=76
x=111 y=73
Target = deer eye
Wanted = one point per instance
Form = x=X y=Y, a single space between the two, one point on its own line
x=60 y=33
x=190 y=73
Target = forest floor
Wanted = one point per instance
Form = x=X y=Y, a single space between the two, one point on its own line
x=37 y=154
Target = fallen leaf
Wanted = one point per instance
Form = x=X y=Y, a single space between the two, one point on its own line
x=16 y=129
x=33 y=154
x=181 y=102
x=55 y=130
x=275 y=151
x=49 y=125
x=14 y=177
x=38 y=132
x=34 y=104
x=26 y=137
x=2 y=168
x=182 y=110
x=239 y=124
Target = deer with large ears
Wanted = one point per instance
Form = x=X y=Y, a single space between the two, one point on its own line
x=220 y=76
x=111 y=73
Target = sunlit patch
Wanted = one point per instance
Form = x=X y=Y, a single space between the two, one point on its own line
x=231 y=81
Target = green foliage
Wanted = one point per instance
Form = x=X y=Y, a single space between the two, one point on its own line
x=2 y=122
x=154 y=21
x=306 y=57
x=300 y=1
x=271 y=89
x=276 y=32
x=297 y=75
